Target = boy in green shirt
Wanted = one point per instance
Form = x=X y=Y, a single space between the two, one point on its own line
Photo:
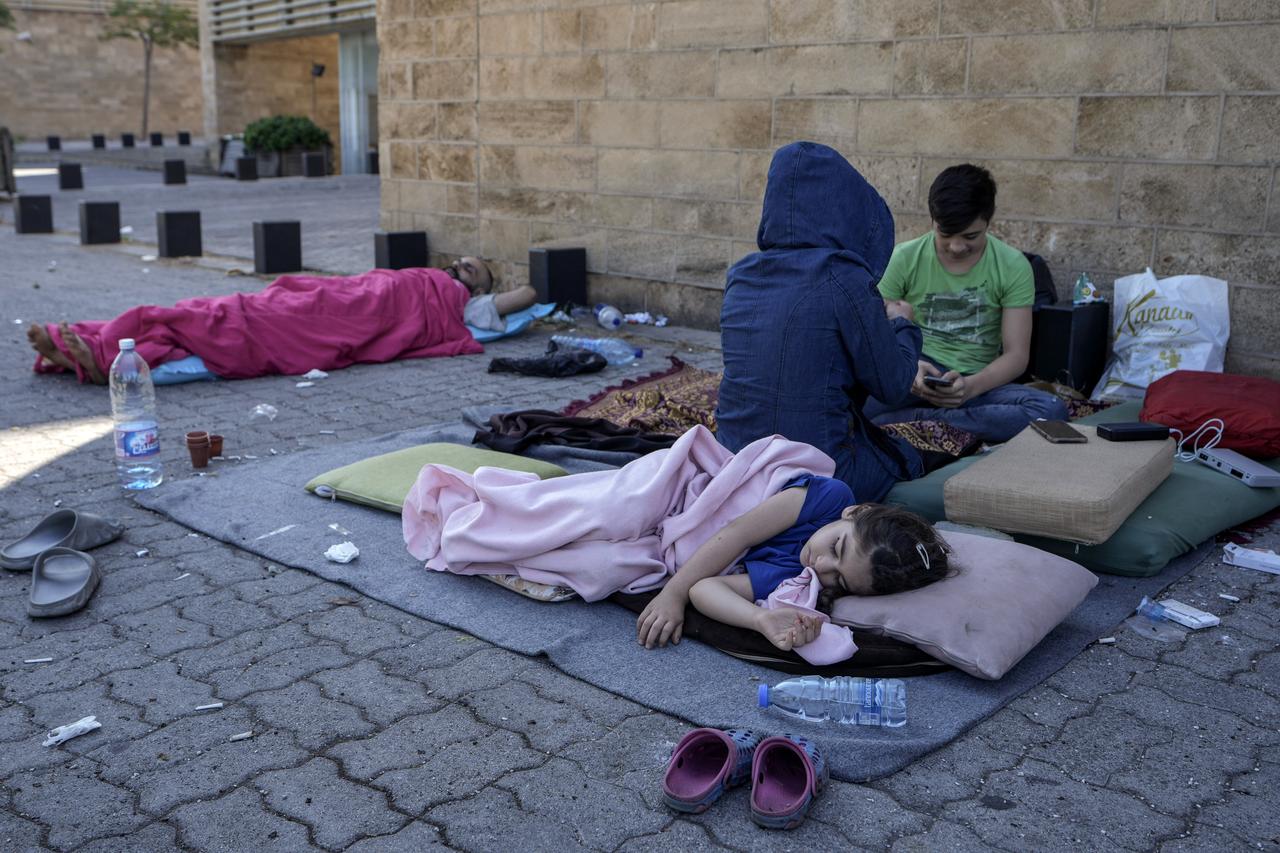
x=972 y=297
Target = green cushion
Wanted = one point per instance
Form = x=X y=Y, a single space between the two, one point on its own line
x=1193 y=504
x=383 y=481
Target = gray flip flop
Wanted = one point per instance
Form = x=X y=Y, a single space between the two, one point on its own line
x=63 y=528
x=62 y=581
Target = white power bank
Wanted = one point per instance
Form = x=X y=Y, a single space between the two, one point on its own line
x=1238 y=465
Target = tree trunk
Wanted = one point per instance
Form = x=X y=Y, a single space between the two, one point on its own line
x=146 y=83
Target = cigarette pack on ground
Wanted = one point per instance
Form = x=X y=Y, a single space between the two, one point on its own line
x=1185 y=614
x=1252 y=558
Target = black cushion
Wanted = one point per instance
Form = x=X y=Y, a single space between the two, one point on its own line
x=876 y=657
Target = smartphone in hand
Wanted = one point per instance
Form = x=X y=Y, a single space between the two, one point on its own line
x=938 y=382
x=1058 y=432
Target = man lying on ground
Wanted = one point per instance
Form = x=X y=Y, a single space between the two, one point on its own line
x=295 y=324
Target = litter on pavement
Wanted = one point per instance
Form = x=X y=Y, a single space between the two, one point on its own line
x=342 y=553
x=64 y=733
x=1252 y=558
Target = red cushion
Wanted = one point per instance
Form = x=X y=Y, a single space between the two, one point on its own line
x=1248 y=405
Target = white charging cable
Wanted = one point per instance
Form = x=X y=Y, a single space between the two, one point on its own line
x=1205 y=436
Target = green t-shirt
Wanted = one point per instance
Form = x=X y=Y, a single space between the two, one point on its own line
x=959 y=314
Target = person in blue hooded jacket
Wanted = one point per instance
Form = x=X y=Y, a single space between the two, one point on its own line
x=806 y=335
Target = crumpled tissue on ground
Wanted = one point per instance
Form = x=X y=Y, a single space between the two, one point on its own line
x=342 y=553
x=64 y=733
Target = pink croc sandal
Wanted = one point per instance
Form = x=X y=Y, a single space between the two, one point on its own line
x=706 y=762
x=787 y=774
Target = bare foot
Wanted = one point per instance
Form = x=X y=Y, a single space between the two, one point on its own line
x=80 y=352
x=43 y=344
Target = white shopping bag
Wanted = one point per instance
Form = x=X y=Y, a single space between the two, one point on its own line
x=1176 y=323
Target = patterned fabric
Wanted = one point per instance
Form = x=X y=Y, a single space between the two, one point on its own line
x=532 y=589
x=668 y=401
x=935 y=437
x=682 y=396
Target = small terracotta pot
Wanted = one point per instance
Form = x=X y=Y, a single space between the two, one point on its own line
x=199 y=454
x=215 y=445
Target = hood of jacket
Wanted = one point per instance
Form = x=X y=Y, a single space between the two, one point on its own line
x=815 y=199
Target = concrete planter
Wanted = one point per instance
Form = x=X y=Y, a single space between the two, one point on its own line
x=292 y=162
x=268 y=164
x=289 y=164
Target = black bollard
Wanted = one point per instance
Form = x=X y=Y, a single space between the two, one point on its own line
x=99 y=222
x=178 y=233
x=184 y=137
x=277 y=247
x=70 y=176
x=55 y=143
x=33 y=215
x=99 y=141
x=559 y=275
x=313 y=164
x=157 y=139
x=397 y=250
x=373 y=162
x=126 y=140
x=246 y=168
x=175 y=171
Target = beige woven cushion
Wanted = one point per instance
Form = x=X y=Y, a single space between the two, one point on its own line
x=1077 y=492
x=1001 y=599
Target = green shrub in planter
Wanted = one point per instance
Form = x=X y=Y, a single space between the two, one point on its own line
x=282 y=133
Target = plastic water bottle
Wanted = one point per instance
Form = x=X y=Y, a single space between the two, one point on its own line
x=608 y=316
x=614 y=350
x=846 y=699
x=133 y=408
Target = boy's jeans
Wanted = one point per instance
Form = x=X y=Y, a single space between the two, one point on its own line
x=996 y=416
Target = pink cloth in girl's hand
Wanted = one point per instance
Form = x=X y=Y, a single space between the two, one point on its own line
x=601 y=532
x=834 y=643
x=294 y=324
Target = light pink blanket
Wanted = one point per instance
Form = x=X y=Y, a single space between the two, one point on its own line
x=598 y=533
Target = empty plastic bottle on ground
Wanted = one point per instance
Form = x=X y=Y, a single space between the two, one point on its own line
x=133 y=408
x=845 y=699
x=614 y=350
x=608 y=316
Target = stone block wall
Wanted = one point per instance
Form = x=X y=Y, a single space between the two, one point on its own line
x=66 y=81
x=273 y=77
x=1123 y=133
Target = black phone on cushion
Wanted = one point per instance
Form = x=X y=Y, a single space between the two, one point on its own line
x=1059 y=432
x=1133 y=431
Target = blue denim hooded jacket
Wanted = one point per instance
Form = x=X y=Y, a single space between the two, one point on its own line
x=803 y=328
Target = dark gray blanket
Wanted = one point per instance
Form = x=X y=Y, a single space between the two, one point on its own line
x=250 y=505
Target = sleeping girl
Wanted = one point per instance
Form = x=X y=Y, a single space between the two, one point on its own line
x=813 y=523
x=681 y=519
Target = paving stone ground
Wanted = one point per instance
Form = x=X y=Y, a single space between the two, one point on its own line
x=379 y=731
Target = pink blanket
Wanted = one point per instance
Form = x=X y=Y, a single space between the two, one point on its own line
x=834 y=643
x=295 y=324
x=598 y=533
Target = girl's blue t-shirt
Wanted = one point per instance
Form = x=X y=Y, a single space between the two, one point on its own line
x=778 y=559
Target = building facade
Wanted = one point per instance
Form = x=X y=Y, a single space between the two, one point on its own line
x=58 y=77
x=317 y=58
x=1123 y=133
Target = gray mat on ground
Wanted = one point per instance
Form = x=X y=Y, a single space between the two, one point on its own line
x=261 y=507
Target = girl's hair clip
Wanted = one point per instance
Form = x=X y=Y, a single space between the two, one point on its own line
x=924 y=554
